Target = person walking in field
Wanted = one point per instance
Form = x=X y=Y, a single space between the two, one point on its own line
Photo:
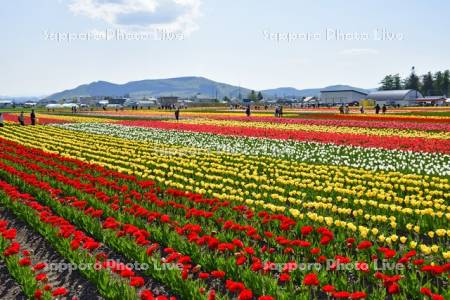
x=177 y=114
x=33 y=117
x=361 y=109
x=384 y=109
x=1 y=120
x=247 y=111
x=377 y=109
x=21 y=119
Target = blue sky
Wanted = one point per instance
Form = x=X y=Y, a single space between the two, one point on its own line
x=228 y=41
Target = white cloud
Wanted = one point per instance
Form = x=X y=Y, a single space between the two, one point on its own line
x=359 y=51
x=142 y=15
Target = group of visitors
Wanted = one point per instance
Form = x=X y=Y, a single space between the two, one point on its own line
x=278 y=111
x=20 y=118
x=378 y=108
x=344 y=109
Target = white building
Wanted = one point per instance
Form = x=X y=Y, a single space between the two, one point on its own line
x=338 y=97
x=29 y=104
x=395 y=97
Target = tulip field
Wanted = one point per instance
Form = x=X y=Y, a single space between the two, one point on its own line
x=137 y=205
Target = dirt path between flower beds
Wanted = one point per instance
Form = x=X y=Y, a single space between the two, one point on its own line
x=9 y=288
x=40 y=250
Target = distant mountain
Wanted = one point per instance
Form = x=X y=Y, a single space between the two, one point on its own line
x=181 y=87
x=293 y=92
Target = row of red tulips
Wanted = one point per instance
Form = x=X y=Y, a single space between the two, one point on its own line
x=113 y=278
x=283 y=278
x=26 y=269
x=381 y=118
x=362 y=123
x=387 y=142
x=428 y=222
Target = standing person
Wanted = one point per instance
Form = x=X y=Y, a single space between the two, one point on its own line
x=384 y=108
x=377 y=109
x=280 y=112
x=361 y=109
x=33 y=117
x=277 y=111
x=347 y=109
x=247 y=111
x=22 y=119
x=341 y=109
x=177 y=114
x=1 y=120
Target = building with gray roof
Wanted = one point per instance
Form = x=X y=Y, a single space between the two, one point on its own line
x=395 y=97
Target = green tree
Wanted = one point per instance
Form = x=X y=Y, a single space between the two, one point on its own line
x=413 y=81
x=397 y=82
x=427 y=84
x=260 y=96
x=446 y=82
x=226 y=99
x=438 y=83
x=387 y=83
x=252 y=96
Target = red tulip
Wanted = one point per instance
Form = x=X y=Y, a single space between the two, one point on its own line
x=328 y=288
x=165 y=219
x=25 y=262
x=426 y=291
x=250 y=251
x=285 y=277
x=10 y=234
x=41 y=277
x=13 y=249
x=306 y=230
x=38 y=294
x=241 y=260
x=364 y=245
x=137 y=281
x=147 y=295
x=212 y=295
x=311 y=280
x=358 y=295
x=393 y=289
x=60 y=292
x=39 y=266
x=245 y=295
x=218 y=274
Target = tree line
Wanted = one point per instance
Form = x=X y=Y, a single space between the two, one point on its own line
x=430 y=84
